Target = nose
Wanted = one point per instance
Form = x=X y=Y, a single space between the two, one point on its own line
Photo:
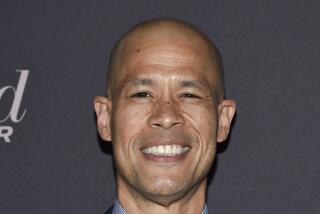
x=166 y=115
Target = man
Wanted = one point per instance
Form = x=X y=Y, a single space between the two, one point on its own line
x=164 y=113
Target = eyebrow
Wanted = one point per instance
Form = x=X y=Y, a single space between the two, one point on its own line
x=136 y=82
x=194 y=84
x=200 y=84
x=144 y=81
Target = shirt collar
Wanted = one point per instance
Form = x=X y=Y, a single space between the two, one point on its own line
x=117 y=209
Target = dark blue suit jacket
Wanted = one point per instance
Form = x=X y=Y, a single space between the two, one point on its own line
x=109 y=211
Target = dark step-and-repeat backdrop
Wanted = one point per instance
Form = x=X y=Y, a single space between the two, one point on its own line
x=53 y=60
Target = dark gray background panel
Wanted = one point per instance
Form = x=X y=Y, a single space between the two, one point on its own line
x=55 y=162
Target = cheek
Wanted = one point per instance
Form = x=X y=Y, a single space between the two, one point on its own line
x=206 y=127
x=131 y=116
x=128 y=121
x=204 y=122
x=203 y=119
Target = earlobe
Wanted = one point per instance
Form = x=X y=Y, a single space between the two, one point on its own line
x=102 y=107
x=226 y=111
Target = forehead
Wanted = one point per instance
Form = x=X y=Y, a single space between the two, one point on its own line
x=166 y=41
x=165 y=54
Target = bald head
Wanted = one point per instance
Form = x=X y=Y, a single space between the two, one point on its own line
x=168 y=31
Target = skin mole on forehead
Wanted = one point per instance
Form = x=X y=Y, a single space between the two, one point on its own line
x=138 y=50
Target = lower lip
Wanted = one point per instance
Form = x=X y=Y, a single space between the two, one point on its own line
x=158 y=158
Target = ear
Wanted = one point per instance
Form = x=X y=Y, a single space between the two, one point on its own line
x=226 y=111
x=102 y=107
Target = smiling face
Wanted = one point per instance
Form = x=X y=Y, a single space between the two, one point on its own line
x=164 y=115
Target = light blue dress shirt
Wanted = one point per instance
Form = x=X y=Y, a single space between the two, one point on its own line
x=117 y=209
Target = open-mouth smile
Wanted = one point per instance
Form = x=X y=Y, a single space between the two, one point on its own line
x=166 y=150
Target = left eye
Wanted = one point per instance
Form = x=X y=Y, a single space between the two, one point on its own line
x=188 y=95
x=141 y=94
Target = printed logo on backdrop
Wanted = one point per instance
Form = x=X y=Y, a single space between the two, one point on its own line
x=14 y=114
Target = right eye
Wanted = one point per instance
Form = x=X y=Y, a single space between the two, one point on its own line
x=141 y=94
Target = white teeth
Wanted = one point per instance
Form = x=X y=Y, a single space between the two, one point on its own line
x=166 y=150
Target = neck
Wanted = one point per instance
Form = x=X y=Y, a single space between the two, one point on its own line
x=191 y=202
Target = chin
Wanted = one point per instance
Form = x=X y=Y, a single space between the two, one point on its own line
x=165 y=199
x=165 y=192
